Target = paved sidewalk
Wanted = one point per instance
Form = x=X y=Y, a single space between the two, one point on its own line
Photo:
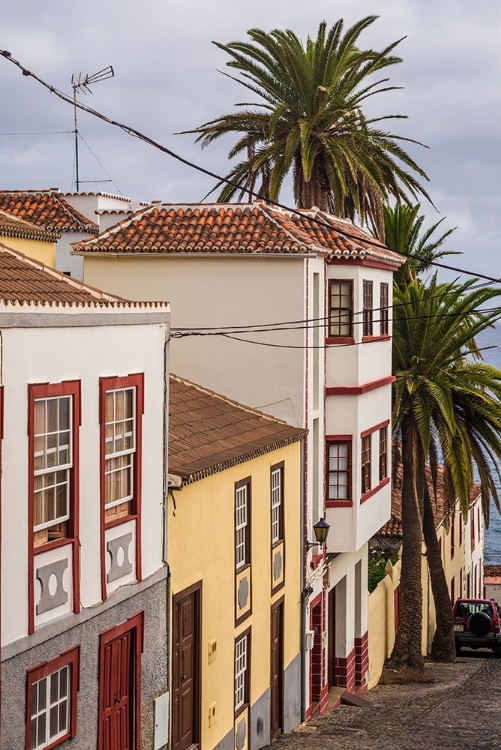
x=460 y=710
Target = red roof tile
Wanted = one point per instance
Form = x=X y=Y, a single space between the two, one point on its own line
x=209 y=432
x=235 y=228
x=393 y=527
x=13 y=226
x=47 y=209
x=24 y=281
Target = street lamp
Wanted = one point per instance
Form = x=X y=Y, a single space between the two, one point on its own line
x=321 y=530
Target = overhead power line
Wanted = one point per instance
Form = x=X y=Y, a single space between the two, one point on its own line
x=143 y=137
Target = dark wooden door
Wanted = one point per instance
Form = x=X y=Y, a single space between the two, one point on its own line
x=117 y=693
x=277 y=668
x=185 y=670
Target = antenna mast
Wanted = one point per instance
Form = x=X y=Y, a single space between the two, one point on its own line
x=82 y=83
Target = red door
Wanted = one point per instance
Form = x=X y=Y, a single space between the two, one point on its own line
x=185 y=669
x=119 y=687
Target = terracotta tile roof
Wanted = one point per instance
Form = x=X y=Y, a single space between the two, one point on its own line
x=236 y=228
x=13 y=226
x=394 y=526
x=209 y=433
x=492 y=571
x=24 y=281
x=47 y=209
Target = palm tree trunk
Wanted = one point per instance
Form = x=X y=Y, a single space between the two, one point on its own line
x=407 y=651
x=442 y=648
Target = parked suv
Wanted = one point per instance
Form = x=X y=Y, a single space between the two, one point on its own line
x=477 y=624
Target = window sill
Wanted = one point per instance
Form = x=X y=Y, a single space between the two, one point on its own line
x=375 y=489
x=339 y=503
x=340 y=340
x=241 y=709
x=119 y=521
x=242 y=568
x=369 y=339
x=54 y=544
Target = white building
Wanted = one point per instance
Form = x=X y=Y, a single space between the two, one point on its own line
x=313 y=300
x=83 y=572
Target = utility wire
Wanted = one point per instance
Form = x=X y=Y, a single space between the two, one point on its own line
x=142 y=137
x=46 y=132
x=293 y=325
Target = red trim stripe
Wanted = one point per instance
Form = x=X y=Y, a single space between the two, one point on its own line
x=357 y=390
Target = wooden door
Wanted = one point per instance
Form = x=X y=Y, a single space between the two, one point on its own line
x=276 y=677
x=185 y=669
x=117 y=700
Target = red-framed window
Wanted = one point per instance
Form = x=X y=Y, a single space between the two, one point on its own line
x=53 y=431
x=453 y=534
x=461 y=522
x=340 y=308
x=339 y=470
x=368 y=308
x=478 y=524
x=384 y=327
x=383 y=453
x=51 y=701
x=472 y=528
x=121 y=412
x=365 y=463
x=453 y=590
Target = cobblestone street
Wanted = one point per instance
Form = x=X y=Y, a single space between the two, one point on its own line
x=460 y=709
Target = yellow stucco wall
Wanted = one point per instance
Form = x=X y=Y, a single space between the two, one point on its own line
x=45 y=252
x=201 y=548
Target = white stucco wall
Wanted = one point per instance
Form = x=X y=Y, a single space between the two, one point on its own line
x=51 y=355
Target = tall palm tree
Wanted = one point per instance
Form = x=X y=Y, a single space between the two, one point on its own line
x=434 y=332
x=309 y=119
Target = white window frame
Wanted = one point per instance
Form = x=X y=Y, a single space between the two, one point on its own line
x=241 y=665
x=50 y=705
x=276 y=504
x=49 y=473
x=338 y=472
x=126 y=455
x=241 y=523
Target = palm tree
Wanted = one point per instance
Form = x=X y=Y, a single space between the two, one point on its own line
x=403 y=233
x=437 y=389
x=309 y=119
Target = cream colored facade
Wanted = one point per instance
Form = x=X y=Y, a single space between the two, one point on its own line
x=45 y=252
x=462 y=546
x=201 y=543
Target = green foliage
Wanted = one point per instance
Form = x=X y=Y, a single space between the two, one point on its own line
x=309 y=120
x=376 y=569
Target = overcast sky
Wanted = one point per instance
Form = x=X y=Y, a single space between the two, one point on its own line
x=167 y=80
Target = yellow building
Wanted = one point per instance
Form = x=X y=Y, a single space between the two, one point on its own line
x=25 y=237
x=234 y=538
x=461 y=542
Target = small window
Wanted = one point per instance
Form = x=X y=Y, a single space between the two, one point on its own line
x=368 y=309
x=242 y=524
x=339 y=471
x=340 y=308
x=241 y=673
x=120 y=449
x=366 y=463
x=52 y=694
x=277 y=510
x=383 y=453
x=453 y=534
x=384 y=310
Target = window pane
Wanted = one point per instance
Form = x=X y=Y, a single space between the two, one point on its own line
x=54 y=721
x=52 y=415
x=54 y=685
x=63 y=716
x=42 y=694
x=41 y=728
x=33 y=733
x=64 y=413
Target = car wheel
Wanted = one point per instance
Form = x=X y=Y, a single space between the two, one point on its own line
x=479 y=624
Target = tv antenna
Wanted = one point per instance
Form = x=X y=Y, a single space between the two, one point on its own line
x=82 y=84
